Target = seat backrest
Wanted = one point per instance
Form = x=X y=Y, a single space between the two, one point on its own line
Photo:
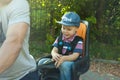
x=83 y=31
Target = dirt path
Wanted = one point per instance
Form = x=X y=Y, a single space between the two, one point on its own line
x=102 y=70
x=90 y=75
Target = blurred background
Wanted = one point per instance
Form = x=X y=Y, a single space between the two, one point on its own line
x=103 y=17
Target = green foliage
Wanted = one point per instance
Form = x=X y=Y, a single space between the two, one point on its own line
x=118 y=59
x=35 y=49
x=108 y=24
x=49 y=41
x=38 y=49
x=91 y=19
x=104 y=51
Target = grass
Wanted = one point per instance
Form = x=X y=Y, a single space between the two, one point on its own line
x=104 y=51
x=38 y=49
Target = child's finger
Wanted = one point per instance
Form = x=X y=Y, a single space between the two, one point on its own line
x=56 y=64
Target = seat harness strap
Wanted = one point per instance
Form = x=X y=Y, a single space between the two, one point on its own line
x=71 y=47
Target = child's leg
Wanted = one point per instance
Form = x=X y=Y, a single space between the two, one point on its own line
x=65 y=70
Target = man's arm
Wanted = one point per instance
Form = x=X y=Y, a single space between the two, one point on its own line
x=11 y=47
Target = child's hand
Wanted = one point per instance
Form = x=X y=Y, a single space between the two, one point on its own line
x=56 y=57
x=61 y=60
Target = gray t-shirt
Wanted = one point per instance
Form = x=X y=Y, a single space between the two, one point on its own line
x=17 y=11
x=2 y=36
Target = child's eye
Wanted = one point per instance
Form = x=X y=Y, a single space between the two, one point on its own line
x=69 y=29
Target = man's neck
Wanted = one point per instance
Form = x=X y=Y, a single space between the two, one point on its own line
x=4 y=2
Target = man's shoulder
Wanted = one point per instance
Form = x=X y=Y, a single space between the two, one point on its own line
x=17 y=5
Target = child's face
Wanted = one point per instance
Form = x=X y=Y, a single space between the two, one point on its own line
x=68 y=31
